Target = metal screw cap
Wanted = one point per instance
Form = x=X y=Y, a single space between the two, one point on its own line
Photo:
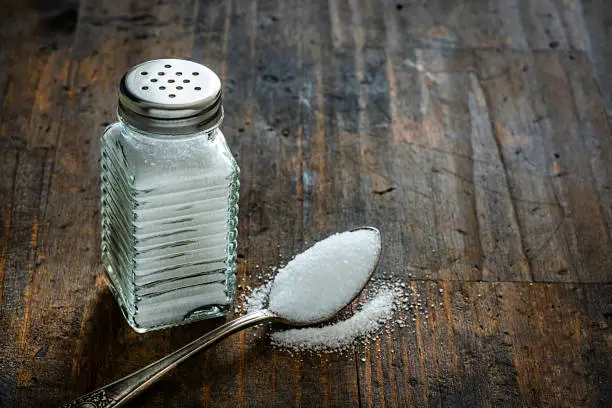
x=171 y=96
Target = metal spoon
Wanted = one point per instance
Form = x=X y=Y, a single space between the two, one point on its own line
x=120 y=391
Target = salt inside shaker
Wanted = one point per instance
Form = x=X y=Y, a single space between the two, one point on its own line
x=169 y=197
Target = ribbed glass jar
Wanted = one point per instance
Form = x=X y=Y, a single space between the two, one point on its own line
x=169 y=204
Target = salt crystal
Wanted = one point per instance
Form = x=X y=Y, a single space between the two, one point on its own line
x=258 y=298
x=317 y=282
x=336 y=336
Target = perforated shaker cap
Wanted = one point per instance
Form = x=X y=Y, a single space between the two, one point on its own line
x=171 y=96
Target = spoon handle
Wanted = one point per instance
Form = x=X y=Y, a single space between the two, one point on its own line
x=117 y=393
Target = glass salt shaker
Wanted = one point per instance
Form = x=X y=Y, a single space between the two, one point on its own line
x=169 y=197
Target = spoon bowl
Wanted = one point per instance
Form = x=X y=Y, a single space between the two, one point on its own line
x=293 y=322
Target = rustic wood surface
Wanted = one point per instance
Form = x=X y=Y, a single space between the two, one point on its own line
x=475 y=135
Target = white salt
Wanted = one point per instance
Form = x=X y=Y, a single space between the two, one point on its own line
x=258 y=298
x=394 y=304
x=322 y=280
x=339 y=335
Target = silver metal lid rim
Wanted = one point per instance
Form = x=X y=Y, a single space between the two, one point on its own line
x=171 y=97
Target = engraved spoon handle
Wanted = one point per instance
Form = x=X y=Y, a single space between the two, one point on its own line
x=117 y=393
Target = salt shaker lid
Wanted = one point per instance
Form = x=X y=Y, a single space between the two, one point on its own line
x=171 y=96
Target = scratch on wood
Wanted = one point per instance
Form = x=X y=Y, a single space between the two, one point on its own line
x=534 y=254
x=406 y=373
x=241 y=369
x=300 y=181
x=253 y=12
x=432 y=325
x=5 y=243
x=298 y=383
x=449 y=317
x=300 y=141
x=28 y=289
x=391 y=373
x=274 y=368
x=325 y=383
x=392 y=90
x=24 y=374
x=226 y=30
x=337 y=39
x=320 y=142
x=42 y=94
x=379 y=371
x=205 y=394
x=512 y=335
x=419 y=338
x=368 y=376
x=34 y=238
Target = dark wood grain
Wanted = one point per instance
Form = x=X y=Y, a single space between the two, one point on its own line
x=475 y=135
x=599 y=36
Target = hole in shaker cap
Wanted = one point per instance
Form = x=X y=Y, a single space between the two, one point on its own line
x=179 y=73
x=171 y=81
x=179 y=87
x=167 y=66
x=186 y=81
x=144 y=73
x=197 y=88
x=162 y=88
x=144 y=88
x=161 y=73
x=153 y=80
x=172 y=95
x=195 y=73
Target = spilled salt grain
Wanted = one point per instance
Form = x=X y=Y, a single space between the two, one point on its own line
x=320 y=281
x=337 y=336
x=258 y=298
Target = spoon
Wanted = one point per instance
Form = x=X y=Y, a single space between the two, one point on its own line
x=117 y=393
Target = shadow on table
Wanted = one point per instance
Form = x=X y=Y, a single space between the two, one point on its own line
x=110 y=349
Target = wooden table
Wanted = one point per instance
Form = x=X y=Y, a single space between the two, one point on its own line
x=476 y=136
